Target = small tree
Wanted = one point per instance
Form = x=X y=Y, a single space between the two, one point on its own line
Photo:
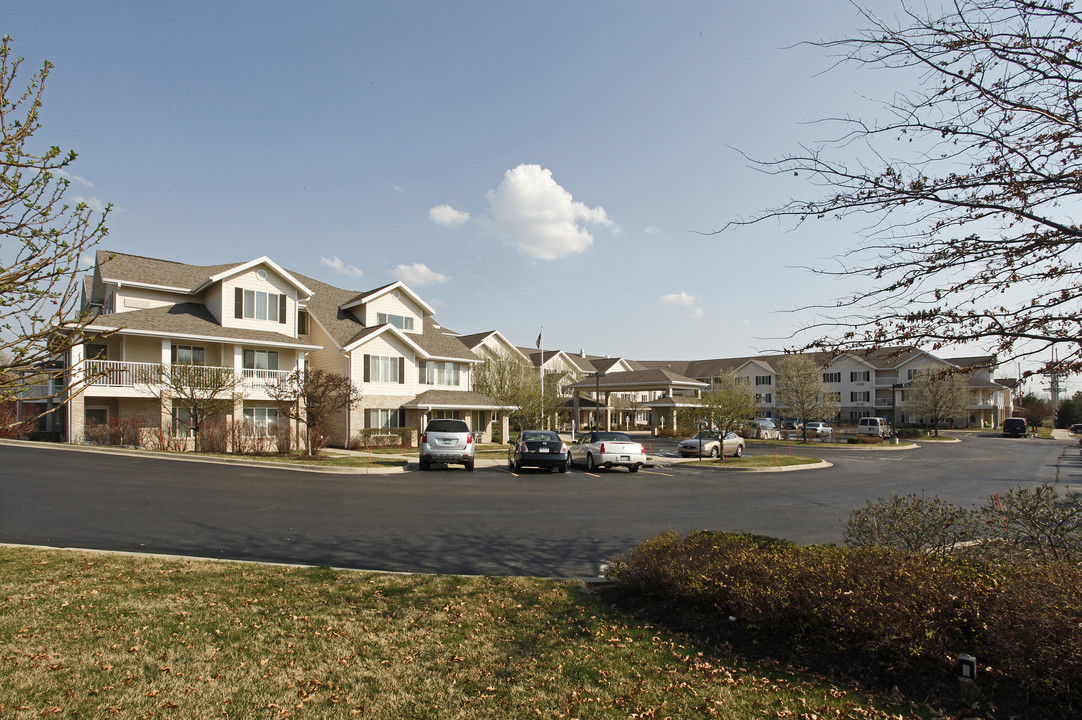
x=802 y=392
x=937 y=395
x=312 y=398
x=193 y=394
x=43 y=238
x=728 y=403
x=516 y=384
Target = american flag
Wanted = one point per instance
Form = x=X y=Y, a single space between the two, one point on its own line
x=539 y=339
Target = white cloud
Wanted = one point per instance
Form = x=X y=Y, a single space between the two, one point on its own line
x=340 y=267
x=652 y=230
x=684 y=300
x=539 y=217
x=74 y=178
x=417 y=275
x=680 y=298
x=447 y=216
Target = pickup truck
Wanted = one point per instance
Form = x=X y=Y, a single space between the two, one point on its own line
x=599 y=448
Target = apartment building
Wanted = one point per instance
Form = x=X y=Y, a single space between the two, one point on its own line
x=265 y=322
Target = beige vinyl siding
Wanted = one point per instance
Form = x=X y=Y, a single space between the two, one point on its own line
x=329 y=359
x=133 y=298
x=251 y=281
x=212 y=299
x=387 y=347
x=391 y=305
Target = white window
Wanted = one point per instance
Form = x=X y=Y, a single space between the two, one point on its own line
x=182 y=422
x=383 y=368
x=764 y=380
x=402 y=322
x=864 y=396
x=834 y=396
x=260 y=305
x=384 y=419
x=264 y=420
x=302 y=322
x=860 y=376
x=763 y=398
x=832 y=377
x=430 y=372
x=913 y=373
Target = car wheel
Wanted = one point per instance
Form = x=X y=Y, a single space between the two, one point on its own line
x=714 y=451
x=469 y=466
x=633 y=468
x=424 y=465
x=510 y=464
x=590 y=467
x=739 y=451
x=517 y=467
x=563 y=468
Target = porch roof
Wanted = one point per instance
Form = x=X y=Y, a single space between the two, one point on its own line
x=190 y=321
x=454 y=400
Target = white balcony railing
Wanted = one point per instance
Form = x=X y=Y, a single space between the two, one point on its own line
x=120 y=374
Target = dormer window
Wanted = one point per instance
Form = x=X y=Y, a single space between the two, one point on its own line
x=259 y=305
x=399 y=321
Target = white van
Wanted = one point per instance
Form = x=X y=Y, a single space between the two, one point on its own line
x=873 y=426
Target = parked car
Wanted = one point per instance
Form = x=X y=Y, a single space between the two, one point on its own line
x=762 y=428
x=1015 y=427
x=873 y=426
x=1075 y=429
x=708 y=443
x=791 y=424
x=600 y=448
x=819 y=430
x=447 y=440
x=537 y=448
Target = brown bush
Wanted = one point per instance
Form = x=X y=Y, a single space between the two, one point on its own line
x=874 y=607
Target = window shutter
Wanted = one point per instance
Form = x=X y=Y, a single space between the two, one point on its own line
x=367 y=368
x=282 y=308
x=401 y=371
x=238 y=303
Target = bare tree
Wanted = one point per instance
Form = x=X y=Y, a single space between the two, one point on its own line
x=43 y=237
x=971 y=182
x=938 y=395
x=311 y=398
x=516 y=384
x=194 y=394
x=802 y=392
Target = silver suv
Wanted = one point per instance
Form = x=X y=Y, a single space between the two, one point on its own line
x=447 y=440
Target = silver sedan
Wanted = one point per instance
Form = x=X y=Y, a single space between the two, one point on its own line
x=708 y=444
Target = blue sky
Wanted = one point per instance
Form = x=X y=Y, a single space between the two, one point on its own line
x=518 y=164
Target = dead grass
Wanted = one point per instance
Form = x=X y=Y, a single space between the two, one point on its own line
x=88 y=635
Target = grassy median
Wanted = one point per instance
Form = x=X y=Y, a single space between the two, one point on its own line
x=89 y=635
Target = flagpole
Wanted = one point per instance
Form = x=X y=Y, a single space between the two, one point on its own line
x=541 y=345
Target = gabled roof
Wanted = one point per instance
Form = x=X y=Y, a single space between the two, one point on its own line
x=190 y=320
x=453 y=399
x=645 y=378
x=244 y=267
x=371 y=295
x=139 y=271
x=477 y=339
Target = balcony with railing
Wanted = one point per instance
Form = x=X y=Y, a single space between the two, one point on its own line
x=104 y=375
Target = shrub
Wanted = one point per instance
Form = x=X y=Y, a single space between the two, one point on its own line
x=908 y=433
x=382 y=437
x=911 y=522
x=1038 y=522
x=214 y=436
x=875 y=607
x=864 y=440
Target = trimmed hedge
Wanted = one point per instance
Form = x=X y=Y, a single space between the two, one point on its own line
x=907 y=611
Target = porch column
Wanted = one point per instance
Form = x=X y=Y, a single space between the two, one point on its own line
x=165 y=399
x=505 y=427
x=76 y=407
x=608 y=411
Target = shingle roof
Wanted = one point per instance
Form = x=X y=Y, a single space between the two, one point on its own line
x=452 y=398
x=151 y=271
x=190 y=319
x=654 y=376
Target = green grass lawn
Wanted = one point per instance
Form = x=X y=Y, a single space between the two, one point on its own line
x=90 y=635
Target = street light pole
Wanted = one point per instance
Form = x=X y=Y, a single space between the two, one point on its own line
x=597 y=398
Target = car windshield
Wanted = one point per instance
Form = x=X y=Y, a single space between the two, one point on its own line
x=532 y=435
x=706 y=435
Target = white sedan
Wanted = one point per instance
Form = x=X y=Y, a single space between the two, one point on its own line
x=820 y=430
x=600 y=448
